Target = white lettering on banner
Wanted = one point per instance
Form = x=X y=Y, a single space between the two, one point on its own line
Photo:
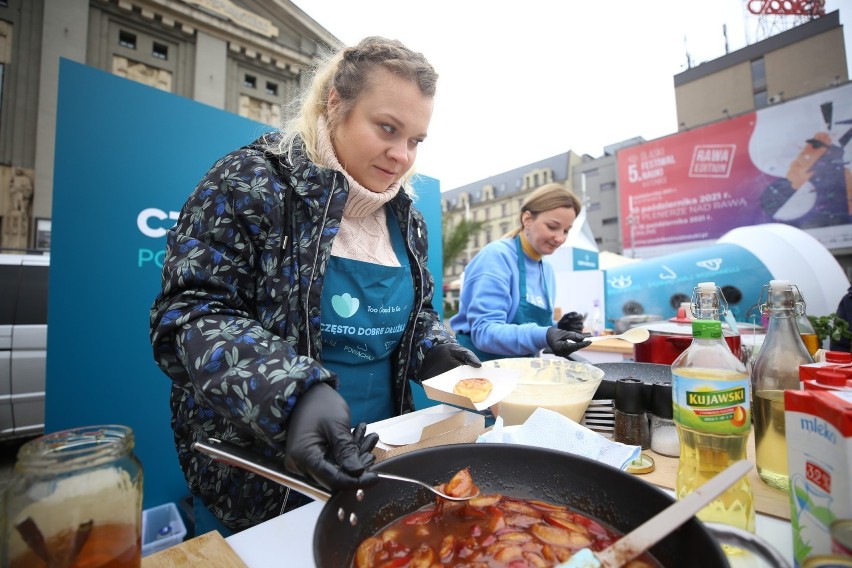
x=144 y=217
x=712 y=160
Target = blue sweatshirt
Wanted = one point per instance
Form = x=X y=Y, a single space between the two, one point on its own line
x=490 y=297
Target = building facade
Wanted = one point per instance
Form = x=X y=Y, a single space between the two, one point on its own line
x=496 y=202
x=243 y=56
x=802 y=60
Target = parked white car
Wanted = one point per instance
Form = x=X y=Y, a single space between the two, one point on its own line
x=23 y=344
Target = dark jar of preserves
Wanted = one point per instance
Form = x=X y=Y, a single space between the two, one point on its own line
x=75 y=501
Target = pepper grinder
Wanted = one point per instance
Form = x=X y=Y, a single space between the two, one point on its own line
x=664 y=438
x=631 y=422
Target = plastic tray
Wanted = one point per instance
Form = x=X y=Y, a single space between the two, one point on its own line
x=162 y=527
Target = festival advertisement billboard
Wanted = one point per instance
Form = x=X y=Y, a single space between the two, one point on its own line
x=786 y=163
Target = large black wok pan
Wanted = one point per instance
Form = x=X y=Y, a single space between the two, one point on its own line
x=599 y=490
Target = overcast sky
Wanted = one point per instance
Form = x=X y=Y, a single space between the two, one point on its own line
x=525 y=80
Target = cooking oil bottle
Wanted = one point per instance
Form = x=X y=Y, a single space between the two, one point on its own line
x=711 y=397
x=775 y=370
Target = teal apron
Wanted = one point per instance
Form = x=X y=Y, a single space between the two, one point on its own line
x=365 y=308
x=527 y=312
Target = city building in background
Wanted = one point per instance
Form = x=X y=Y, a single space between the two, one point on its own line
x=496 y=202
x=243 y=56
x=797 y=62
x=802 y=60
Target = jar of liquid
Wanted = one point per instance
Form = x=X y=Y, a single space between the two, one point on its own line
x=75 y=500
x=664 y=438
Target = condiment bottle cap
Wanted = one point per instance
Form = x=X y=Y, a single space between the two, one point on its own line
x=629 y=396
x=831 y=378
x=661 y=400
x=838 y=357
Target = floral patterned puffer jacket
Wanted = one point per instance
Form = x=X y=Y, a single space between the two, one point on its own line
x=237 y=324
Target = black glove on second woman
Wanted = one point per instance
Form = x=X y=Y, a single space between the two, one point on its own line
x=564 y=343
x=321 y=446
x=572 y=321
x=445 y=357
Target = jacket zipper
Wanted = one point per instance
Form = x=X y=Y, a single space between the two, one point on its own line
x=314 y=271
x=419 y=299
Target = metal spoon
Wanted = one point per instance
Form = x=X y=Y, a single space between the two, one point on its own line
x=632 y=335
x=427 y=486
x=245 y=459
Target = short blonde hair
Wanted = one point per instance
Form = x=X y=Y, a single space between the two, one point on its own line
x=546 y=198
x=349 y=72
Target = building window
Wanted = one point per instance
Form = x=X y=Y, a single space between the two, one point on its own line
x=504 y=228
x=504 y=209
x=127 y=39
x=488 y=235
x=250 y=82
x=758 y=75
x=160 y=51
x=761 y=99
x=610 y=221
x=272 y=88
x=609 y=185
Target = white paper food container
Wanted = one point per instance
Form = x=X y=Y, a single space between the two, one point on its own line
x=440 y=388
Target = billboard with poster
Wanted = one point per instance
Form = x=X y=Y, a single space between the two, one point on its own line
x=786 y=163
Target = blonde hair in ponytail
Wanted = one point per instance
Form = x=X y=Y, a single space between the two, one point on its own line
x=348 y=72
x=546 y=198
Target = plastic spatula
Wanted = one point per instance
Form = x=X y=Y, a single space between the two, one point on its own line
x=660 y=525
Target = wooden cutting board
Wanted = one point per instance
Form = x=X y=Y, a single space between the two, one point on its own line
x=206 y=550
x=767 y=500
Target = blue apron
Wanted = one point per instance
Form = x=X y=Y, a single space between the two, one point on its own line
x=527 y=312
x=365 y=308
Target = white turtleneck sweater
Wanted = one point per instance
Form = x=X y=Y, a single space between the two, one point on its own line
x=363 y=231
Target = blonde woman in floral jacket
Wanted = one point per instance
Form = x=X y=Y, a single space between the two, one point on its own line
x=296 y=303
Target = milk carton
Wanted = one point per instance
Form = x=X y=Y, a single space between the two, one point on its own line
x=819 y=455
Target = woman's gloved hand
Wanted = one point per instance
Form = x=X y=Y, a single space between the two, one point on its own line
x=445 y=357
x=564 y=343
x=572 y=321
x=321 y=446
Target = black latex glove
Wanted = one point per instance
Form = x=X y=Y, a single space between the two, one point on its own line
x=445 y=357
x=572 y=321
x=321 y=446
x=564 y=343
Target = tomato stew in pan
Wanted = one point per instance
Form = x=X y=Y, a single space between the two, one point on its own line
x=489 y=531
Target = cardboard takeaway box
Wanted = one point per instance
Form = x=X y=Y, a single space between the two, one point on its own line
x=450 y=423
x=433 y=426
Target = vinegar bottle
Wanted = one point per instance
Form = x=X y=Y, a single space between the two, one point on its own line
x=775 y=370
x=806 y=329
x=711 y=409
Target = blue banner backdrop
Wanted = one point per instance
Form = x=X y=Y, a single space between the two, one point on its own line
x=127 y=156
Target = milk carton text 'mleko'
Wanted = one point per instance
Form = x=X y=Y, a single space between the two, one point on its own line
x=819 y=455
